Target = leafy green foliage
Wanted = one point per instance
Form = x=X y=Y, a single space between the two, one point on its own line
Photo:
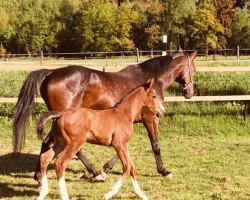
x=30 y=26
x=205 y=27
x=241 y=28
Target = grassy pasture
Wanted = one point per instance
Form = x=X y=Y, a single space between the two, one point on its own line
x=205 y=145
x=208 y=154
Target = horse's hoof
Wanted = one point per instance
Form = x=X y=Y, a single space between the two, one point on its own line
x=101 y=177
x=170 y=175
x=165 y=173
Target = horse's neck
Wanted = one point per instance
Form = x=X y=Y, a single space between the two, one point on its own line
x=130 y=106
x=135 y=73
x=167 y=79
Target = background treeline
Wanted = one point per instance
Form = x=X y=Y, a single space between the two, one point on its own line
x=29 y=26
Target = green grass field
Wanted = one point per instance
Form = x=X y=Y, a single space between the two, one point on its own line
x=205 y=145
x=208 y=153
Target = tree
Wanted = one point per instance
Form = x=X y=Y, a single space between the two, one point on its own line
x=174 y=17
x=33 y=26
x=225 y=14
x=205 y=27
x=69 y=35
x=241 y=28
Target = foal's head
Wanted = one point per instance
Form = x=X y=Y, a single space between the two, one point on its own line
x=150 y=101
x=186 y=74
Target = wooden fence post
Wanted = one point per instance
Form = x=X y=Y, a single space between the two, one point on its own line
x=137 y=55
x=165 y=39
x=206 y=54
x=41 y=59
x=238 y=52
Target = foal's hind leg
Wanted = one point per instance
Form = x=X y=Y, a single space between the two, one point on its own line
x=45 y=160
x=45 y=147
x=61 y=164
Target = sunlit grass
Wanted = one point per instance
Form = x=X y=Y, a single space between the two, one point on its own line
x=206 y=146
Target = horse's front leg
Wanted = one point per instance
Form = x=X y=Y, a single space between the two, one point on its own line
x=151 y=122
x=90 y=167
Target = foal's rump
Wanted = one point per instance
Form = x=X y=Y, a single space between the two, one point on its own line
x=43 y=120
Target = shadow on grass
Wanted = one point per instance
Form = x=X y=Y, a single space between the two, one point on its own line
x=8 y=191
x=17 y=163
x=15 y=167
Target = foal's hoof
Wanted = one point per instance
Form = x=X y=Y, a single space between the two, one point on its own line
x=38 y=178
x=101 y=177
x=104 y=198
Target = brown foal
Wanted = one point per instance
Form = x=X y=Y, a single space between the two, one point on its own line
x=111 y=127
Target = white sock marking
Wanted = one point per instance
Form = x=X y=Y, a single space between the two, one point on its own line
x=114 y=190
x=45 y=188
x=63 y=188
x=138 y=190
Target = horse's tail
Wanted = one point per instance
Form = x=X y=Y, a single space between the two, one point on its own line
x=43 y=120
x=24 y=106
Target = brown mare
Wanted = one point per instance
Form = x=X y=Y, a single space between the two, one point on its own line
x=111 y=127
x=76 y=86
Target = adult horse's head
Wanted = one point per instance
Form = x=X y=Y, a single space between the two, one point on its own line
x=186 y=71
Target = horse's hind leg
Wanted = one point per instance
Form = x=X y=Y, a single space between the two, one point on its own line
x=110 y=164
x=90 y=167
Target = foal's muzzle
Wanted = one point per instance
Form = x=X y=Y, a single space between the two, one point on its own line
x=161 y=111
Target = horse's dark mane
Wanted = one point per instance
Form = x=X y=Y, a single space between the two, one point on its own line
x=156 y=66
x=178 y=55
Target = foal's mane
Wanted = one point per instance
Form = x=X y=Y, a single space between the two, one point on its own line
x=129 y=94
x=156 y=66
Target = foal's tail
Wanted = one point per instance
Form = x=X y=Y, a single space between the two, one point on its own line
x=24 y=106
x=43 y=120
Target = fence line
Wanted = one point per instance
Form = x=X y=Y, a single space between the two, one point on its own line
x=166 y=99
x=115 y=69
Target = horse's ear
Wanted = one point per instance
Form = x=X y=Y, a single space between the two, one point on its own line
x=193 y=55
x=180 y=49
x=149 y=83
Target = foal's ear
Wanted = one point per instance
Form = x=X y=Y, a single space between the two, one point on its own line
x=149 y=83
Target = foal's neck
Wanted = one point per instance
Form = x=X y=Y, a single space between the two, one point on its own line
x=131 y=105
